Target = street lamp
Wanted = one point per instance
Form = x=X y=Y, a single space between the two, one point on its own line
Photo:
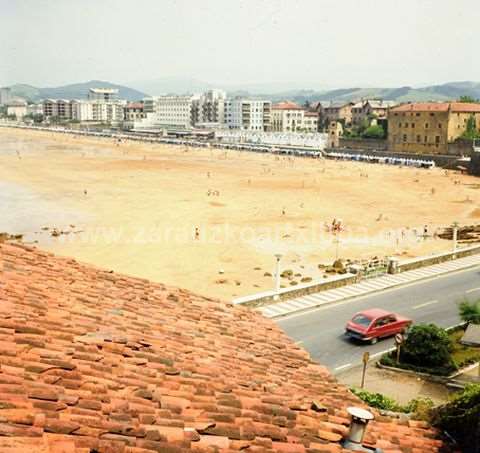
x=278 y=256
x=454 y=235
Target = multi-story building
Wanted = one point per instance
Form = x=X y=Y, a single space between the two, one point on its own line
x=84 y=110
x=103 y=94
x=248 y=114
x=287 y=117
x=17 y=108
x=337 y=111
x=134 y=111
x=310 y=122
x=429 y=127
x=5 y=95
x=364 y=110
x=210 y=108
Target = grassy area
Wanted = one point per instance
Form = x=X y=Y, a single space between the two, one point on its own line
x=463 y=355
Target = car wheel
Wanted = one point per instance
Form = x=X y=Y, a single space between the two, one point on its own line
x=374 y=340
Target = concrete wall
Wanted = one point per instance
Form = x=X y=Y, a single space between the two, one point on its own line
x=268 y=297
x=363 y=144
x=416 y=263
x=440 y=160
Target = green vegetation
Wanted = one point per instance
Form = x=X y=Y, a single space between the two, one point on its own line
x=468 y=99
x=427 y=345
x=471 y=131
x=374 y=131
x=461 y=418
x=470 y=311
x=446 y=354
x=379 y=401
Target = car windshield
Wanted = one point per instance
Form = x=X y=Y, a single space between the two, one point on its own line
x=362 y=320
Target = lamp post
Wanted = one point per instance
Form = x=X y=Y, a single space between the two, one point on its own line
x=454 y=235
x=278 y=256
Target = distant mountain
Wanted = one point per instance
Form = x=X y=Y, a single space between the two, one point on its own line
x=281 y=91
x=73 y=91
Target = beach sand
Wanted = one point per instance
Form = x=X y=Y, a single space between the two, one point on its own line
x=211 y=221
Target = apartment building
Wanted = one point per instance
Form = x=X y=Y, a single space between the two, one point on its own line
x=134 y=111
x=5 y=95
x=310 y=122
x=17 y=108
x=248 y=114
x=210 y=108
x=429 y=127
x=287 y=117
x=84 y=110
x=373 y=108
x=337 y=111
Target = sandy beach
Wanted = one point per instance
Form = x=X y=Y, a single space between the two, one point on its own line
x=211 y=221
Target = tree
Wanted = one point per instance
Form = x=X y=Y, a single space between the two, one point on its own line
x=427 y=345
x=468 y=99
x=374 y=131
x=461 y=418
x=471 y=129
x=470 y=311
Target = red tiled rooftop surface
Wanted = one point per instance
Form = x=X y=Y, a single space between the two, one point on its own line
x=437 y=107
x=91 y=360
x=134 y=105
x=286 y=105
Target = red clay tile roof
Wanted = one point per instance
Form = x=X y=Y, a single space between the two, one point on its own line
x=286 y=105
x=437 y=107
x=134 y=105
x=94 y=361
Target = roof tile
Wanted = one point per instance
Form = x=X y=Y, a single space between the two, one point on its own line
x=93 y=360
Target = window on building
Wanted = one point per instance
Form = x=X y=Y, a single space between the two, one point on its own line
x=404 y=138
x=417 y=114
x=419 y=139
x=413 y=125
x=439 y=125
x=426 y=125
x=425 y=139
x=437 y=139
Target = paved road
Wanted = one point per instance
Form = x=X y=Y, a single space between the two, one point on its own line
x=320 y=331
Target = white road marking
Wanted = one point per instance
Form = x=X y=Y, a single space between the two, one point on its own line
x=425 y=304
x=372 y=356
x=468 y=291
x=341 y=367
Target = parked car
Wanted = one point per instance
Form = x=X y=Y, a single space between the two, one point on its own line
x=370 y=325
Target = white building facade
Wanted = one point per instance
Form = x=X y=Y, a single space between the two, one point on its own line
x=247 y=114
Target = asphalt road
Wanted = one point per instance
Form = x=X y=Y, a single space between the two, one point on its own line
x=321 y=331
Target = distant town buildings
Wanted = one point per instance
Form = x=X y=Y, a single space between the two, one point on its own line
x=210 y=109
x=17 y=109
x=290 y=117
x=134 y=111
x=364 y=111
x=429 y=127
x=336 y=111
x=101 y=106
x=5 y=96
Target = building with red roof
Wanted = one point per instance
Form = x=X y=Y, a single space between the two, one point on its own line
x=95 y=361
x=429 y=127
x=288 y=116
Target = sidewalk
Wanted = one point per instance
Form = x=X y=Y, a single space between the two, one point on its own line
x=365 y=287
x=401 y=387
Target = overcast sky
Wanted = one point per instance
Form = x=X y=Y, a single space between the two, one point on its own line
x=310 y=43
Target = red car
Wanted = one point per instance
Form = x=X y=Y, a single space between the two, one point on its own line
x=370 y=325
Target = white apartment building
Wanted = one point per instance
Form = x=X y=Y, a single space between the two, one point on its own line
x=5 y=95
x=17 y=108
x=211 y=108
x=84 y=110
x=247 y=114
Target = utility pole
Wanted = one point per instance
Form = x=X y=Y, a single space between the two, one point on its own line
x=278 y=256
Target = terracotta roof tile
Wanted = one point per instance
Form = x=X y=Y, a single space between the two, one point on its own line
x=93 y=360
x=438 y=107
